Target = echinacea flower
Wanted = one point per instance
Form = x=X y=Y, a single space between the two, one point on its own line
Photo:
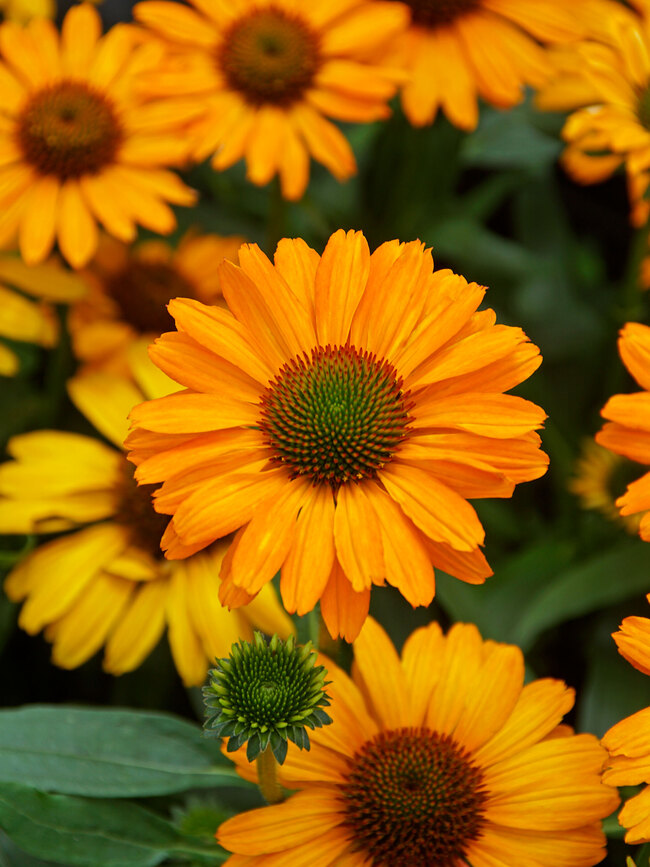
x=269 y=74
x=613 y=129
x=627 y=431
x=265 y=694
x=24 y=319
x=105 y=583
x=458 y=50
x=338 y=416
x=129 y=287
x=77 y=143
x=628 y=742
x=440 y=757
x=598 y=480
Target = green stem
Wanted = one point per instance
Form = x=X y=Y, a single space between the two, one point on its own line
x=642 y=858
x=267 y=777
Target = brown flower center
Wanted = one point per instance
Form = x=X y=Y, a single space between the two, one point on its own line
x=413 y=798
x=69 y=130
x=269 y=56
x=135 y=511
x=143 y=289
x=437 y=13
x=337 y=415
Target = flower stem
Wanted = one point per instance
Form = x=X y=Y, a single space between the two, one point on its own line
x=267 y=778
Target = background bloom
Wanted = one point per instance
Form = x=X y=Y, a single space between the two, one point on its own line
x=459 y=50
x=105 y=583
x=628 y=430
x=268 y=74
x=129 y=287
x=440 y=757
x=32 y=321
x=612 y=130
x=338 y=417
x=628 y=741
x=77 y=143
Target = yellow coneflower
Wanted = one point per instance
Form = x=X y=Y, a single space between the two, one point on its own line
x=269 y=73
x=104 y=583
x=129 y=287
x=342 y=411
x=442 y=757
x=24 y=319
x=77 y=143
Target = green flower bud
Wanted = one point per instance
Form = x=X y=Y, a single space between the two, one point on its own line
x=266 y=695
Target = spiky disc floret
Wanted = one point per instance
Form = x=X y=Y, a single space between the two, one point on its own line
x=266 y=694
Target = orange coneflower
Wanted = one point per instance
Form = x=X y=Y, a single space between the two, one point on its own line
x=77 y=142
x=613 y=127
x=104 y=583
x=627 y=431
x=458 y=50
x=339 y=416
x=627 y=741
x=129 y=287
x=442 y=757
x=269 y=73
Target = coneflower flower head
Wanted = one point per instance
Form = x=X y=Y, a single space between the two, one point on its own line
x=266 y=694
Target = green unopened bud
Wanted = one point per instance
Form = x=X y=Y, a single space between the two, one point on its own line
x=266 y=695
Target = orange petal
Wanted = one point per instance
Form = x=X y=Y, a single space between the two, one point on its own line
x=308 y=566
x=357 y=537
x=340 y=282
x=343 y=609
x=439 y=512
x=267 y=539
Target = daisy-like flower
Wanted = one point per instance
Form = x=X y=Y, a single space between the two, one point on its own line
x=569 y=85
x=628 y=741
x=597 y=481
x=105 y=582
x=458 y=50
x=442 y=757
x=270 y=72
x=77 y=143
x=24 y=319
x=338 y=417
x=627 y=431
x=130 y=286
x=613 y=129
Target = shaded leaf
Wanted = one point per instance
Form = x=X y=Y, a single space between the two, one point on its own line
x=108 y=753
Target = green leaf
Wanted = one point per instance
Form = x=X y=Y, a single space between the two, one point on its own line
x=613 y=689
x=538 y=589
x=108 y=753
x=496 y=606
x=507 y=139
x=12 y=856
x=85 y=833
x=608 y=577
